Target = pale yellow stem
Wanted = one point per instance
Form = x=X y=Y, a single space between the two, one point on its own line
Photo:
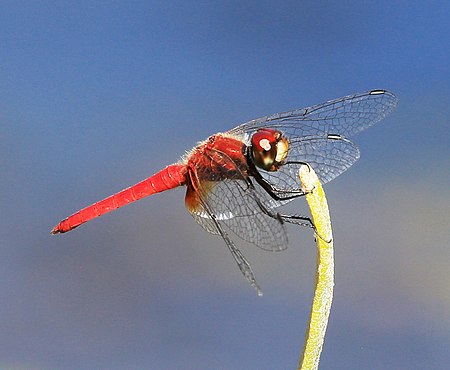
x=323 y=295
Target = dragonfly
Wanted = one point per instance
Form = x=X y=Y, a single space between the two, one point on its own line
x=237 y=180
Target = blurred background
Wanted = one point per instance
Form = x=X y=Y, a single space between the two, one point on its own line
x=98 y=95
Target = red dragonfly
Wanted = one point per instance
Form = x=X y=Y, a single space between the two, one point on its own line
x=236 y=180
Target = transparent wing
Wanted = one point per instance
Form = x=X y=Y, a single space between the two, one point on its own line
x=241 y=261
x=245 y=214
x=236 y=204
x=204 y=219
x=329 y=156
x=344 y=116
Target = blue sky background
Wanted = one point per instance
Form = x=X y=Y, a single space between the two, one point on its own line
x=97 y=95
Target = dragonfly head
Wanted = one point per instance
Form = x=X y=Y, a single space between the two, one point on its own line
x=269 y=149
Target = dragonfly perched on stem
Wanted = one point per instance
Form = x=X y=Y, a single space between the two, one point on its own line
x=237 y=180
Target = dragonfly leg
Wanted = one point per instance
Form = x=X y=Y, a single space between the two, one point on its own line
x=293 y=219
x=272 y=190
x=302 y=221
x=298 y=220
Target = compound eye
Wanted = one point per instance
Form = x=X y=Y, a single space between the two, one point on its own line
x=264 y=148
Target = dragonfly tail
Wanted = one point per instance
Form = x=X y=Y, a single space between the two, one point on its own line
x=170 y=177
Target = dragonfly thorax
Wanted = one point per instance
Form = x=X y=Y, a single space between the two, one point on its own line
x=269 y=149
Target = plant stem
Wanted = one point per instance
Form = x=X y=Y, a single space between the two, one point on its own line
x=323 y=295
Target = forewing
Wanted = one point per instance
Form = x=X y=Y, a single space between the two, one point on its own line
x=329 y=156
x=344 y=116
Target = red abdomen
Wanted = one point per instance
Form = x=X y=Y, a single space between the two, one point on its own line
x=170 y=177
